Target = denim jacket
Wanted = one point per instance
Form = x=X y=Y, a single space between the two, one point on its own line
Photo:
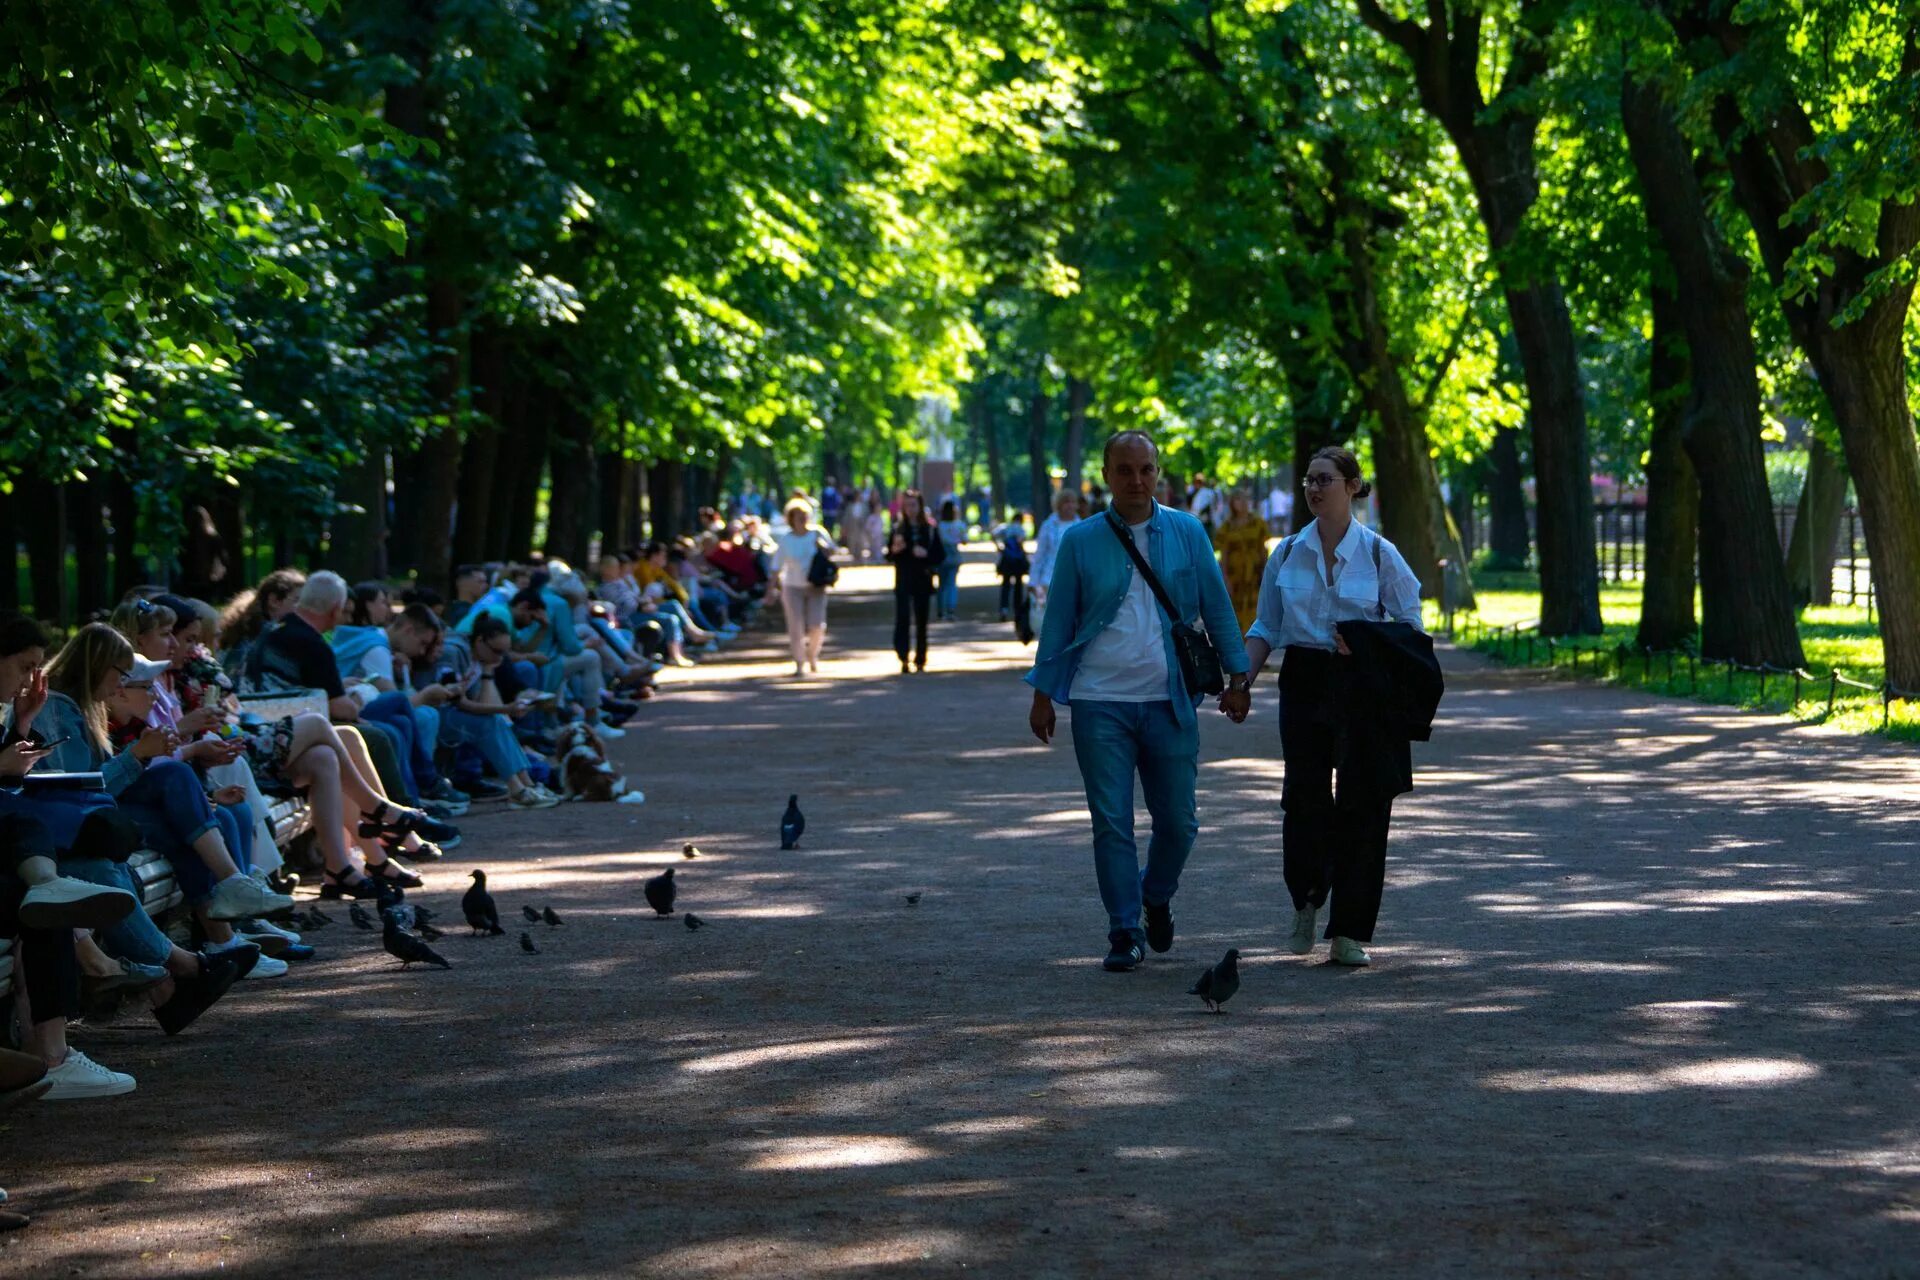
x=1091 y=575
x=61 y=718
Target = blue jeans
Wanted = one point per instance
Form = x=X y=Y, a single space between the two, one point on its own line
x=949 y=588
x=1112 y=741
x=133 y=937
x=171 y=810
x=395 y=710
x=491 y=735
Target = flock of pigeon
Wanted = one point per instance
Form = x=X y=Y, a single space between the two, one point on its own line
x=407 y=930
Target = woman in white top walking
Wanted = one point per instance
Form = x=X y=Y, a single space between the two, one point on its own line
x=804 y=603
x=1334 y=570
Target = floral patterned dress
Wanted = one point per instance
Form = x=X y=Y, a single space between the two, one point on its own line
x=1242 y=547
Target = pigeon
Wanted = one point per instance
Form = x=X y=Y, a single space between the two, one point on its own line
x=526 y=943
x=476 y=904
x=550 y=915
x=660 y=891
x=400 y=915
x=319 y=918
x=358 y=914
x=1217 y=985
x=421 y=915
x=793 y=824
x=689 y=852
x=387 y=894
x=427 y=931
x=409 y=950
x=913 y=899
x=533 y=917
x=694 y=922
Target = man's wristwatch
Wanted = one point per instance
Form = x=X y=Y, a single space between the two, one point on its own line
x=1239 y=681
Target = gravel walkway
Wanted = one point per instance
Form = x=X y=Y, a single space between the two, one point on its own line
x=1643 y=1004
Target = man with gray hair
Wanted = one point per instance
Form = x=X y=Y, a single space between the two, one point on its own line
x=1106 y=648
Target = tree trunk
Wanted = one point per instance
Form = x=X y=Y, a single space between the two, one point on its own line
x=45 y=512
x=86 y=518
x=571 y=486
x=358 y=550
x=436 y=490
x=988 y=425
x=1509 y=539
x=1497 y=150
x=666 y=499
x=1038 y=477
x=1816 y=527
x=522 y=505
x=123 y=514
x=1673 y=491
x=1079 y=394
x=487 y=373
x=10 y=539
x=1746 y=612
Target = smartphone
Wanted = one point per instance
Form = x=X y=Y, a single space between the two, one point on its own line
x=48 y=746
x=447 y=676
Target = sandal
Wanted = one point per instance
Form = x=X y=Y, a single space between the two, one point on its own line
x=335 y=885
x=392 y=872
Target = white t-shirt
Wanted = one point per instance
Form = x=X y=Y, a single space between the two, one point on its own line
x=1204 y=501
x=793 y=555
x=1127 y=662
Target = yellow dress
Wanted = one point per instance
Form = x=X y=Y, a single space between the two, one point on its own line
x=1242 y=547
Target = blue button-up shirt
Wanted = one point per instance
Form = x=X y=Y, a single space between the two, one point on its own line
x=1091 y=575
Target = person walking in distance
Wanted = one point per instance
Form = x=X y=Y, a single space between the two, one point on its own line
x=915 y=550
x=1108 y=651
x=1046 y=545
x=1241 y=540
x=953 y=535
x=802 y=599
x=1334 y=570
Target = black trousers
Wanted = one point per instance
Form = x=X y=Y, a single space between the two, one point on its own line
x=914 y=602
x=44 y=963
x=1012 y=587
x=1335 y=844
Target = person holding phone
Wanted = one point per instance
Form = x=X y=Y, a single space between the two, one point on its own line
x=467 y=667
x=915 y=551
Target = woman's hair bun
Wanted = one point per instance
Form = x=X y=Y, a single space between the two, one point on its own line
x=1365 y=489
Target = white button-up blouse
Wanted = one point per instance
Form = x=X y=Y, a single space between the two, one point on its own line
x=1300 y=602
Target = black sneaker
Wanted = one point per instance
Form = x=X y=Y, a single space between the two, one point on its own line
x=1126 y=955
x=485 y=789
x=1159 y=925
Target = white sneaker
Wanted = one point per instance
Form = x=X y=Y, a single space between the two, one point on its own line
x=266 y=967
x=1347 y=951
x=1306 y=926
x=62 y=903
x=534 y=797
x=81 y=1077
x=238 y=897
x=608 y=732
x=256 y=928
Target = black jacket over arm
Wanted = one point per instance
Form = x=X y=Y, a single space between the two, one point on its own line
x=1391 y=688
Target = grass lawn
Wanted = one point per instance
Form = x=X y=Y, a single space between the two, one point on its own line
x=1837 y=637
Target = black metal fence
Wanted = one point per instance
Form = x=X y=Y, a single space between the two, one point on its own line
x=1620 y=535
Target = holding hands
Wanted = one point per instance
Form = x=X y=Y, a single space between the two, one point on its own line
x=1236 y=702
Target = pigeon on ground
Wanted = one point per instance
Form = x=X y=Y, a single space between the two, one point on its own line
x=421 y=915
x=913 y=899
x=695 y=922
x=409 y=950
x=387 y=894
x=689 y=852
x=427 y=931
x=358 y=914
x=533 y=917
x=401 y=915
x=660 y=891
x=1217 y=985
x=793 y=824
x=550 y=915
x=476 y=904
x=320 y=918
x=526 y=944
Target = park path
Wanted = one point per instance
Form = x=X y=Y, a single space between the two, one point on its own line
x=1644 y=1004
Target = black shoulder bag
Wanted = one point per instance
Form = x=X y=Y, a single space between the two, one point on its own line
x=1199 y=661
x=822 y=572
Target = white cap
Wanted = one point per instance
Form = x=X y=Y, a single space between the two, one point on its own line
x=146 y=670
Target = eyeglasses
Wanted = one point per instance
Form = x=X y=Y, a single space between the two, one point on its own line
x=141 y=686
x=126 y=673
x=1319 y=480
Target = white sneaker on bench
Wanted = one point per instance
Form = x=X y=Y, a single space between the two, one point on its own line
x=241 y=896
x=81 y=1077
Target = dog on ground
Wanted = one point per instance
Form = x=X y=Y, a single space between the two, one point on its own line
x=585 y=771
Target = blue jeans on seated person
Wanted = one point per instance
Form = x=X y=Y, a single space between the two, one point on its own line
x=395 y=711
x=135 y=936
x=491 y=735
x=171 y=810
x=1112 y=741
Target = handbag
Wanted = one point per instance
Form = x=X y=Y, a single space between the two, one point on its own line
x=823 y=572
x=1199 y=660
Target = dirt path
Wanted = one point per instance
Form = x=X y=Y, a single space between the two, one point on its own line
x=1644 y=1004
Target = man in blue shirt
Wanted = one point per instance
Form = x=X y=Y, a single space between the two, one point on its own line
x=1106 y=649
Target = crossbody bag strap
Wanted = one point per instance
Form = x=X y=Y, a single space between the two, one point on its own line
x=1146 y=571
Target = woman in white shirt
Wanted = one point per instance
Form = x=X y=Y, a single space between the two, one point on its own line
x=804 y=604
x=1334 y=570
